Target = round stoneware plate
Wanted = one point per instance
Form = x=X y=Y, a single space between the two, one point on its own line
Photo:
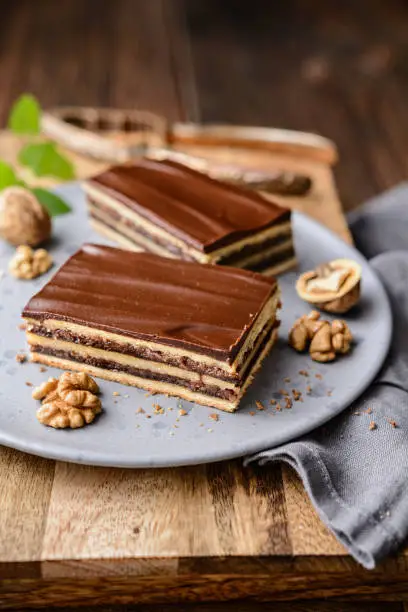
x=124 y=436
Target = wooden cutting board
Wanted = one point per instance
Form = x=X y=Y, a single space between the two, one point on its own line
x=75 y=535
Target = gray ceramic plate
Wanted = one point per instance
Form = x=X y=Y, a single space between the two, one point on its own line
x=123 y=438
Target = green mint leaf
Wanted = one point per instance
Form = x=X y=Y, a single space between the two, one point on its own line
x=25 y=115
x=51 y=202
x=45 y=160
x=7 y=176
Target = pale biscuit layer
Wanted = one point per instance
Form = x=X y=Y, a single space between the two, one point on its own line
x=158 y=386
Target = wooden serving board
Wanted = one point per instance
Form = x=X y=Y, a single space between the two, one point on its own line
x=76 y=535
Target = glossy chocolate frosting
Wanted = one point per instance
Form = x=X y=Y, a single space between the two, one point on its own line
x=201 y=211
x=204 y=308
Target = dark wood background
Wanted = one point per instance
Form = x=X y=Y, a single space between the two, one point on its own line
x=338 y=67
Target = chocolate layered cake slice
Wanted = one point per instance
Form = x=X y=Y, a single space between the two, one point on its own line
x=166 y=208
x=199 y=332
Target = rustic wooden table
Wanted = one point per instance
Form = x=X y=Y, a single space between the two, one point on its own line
x=93 y=537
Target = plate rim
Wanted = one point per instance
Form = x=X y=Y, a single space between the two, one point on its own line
x=54 y=451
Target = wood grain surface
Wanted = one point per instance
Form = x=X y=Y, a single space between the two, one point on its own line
x=305 y=606
x=76 y=534
x=110 y=539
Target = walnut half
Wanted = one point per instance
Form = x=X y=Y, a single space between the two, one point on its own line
x=333 y=287
x=28 y=264
x=68 y=402
x=324 y=340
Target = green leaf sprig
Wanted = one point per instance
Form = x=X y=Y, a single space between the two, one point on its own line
x=54 y=204
x=7 y=176
x=42 y=157
x=25 y=116
x=45 y=160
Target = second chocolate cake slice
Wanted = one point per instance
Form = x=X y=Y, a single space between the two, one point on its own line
x=174 y=211
x=199 y=332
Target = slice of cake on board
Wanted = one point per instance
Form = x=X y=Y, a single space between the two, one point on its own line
x=166 y=208
x=199 y=332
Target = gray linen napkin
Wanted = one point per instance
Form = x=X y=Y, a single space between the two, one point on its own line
x=357 y=478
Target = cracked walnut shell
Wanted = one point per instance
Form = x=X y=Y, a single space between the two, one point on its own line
x=28 y=264
x=324 y=340
x=23 y=220
x=333 y=287
x=68 y=402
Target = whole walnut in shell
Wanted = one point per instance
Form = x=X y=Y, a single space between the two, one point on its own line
x=22 y=218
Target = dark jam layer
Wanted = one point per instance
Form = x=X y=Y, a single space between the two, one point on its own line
x=105 y=364
x=145 y=352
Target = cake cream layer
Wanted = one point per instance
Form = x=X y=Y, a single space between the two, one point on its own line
x=268 y=267
x=123 y=242
x=279 y=268
x=131 y=218
x=241 y=254
x=55 y=330
x=201 y=212
x=143 y=367
x=135 y=241
x=191 y=393
x=151 y=237
x=211 y=311
x=143 y=358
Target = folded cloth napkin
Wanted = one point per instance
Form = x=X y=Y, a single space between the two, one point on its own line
x=358 y=479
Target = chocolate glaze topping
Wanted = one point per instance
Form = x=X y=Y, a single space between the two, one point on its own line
x=201 y=211
x=204 y=308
